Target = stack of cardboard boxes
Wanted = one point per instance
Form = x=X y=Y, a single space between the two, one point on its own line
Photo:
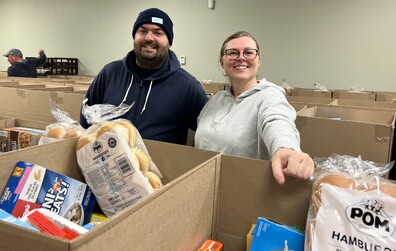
x=207 y=195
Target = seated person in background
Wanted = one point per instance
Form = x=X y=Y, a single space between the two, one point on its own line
x=23 y=67
x=252 y=118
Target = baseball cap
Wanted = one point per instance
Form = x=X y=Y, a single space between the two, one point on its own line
x=13 y=51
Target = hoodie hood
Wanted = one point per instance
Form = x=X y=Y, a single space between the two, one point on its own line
x=263 y=84
x=170 y=65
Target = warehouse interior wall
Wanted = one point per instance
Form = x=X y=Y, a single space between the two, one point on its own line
x=340 y=44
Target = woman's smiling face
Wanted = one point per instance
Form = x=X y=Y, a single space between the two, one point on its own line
x=241 y=59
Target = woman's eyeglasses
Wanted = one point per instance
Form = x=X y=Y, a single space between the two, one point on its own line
x=249 y=54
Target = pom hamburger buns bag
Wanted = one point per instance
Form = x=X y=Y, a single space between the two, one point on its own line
x=114 y=162
x=351 y=210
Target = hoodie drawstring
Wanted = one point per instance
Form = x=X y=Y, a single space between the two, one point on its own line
x=147 y=96
x=126 y=94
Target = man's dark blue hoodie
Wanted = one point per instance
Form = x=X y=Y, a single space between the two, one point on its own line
x=27 y=67
x=166 y=104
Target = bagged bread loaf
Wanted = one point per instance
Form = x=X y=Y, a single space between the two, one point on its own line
x=351 y=211
x=114 y=160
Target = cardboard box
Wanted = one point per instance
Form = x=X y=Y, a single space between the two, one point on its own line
x=213 y=88
x=346 y=94
x=6 y=122
x=309 y=101
x=247 y=190
x=158 y=220
x=347 y=131
x=306 y=92
x=206 y=196
x=386 y=97
x=71 y=102
x=298 y=106
x=363 y=104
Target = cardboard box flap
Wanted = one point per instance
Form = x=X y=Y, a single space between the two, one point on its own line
x=363 y=104
x=176 y=218
x=298 y=106
x=350 y=114
x=309 y=100
x=248 y=190
x=348 y=94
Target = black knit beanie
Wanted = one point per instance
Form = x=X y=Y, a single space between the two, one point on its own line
x=154 y=16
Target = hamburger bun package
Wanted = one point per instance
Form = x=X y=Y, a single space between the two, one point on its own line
x=352 y=207
x=116 y=165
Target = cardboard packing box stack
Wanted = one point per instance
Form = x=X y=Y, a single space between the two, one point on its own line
x=206 y=196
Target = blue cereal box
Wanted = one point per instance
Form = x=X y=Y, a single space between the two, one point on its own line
x=272 y=236
x=32 y=186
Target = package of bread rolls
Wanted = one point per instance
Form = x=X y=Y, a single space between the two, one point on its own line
x=351 y=211
x=116 y=165
x=64 y=128
x=60 y=131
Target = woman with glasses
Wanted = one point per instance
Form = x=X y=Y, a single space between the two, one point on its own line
x=252 y=117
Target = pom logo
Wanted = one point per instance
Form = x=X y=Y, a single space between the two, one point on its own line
x=370 y=218
x=97 y=147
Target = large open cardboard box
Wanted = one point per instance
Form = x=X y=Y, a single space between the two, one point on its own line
x=347 y=131
x=207 y=195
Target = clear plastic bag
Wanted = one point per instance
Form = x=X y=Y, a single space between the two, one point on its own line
x=64 y=128
x=103 y=112
x=320 y=87
x=114 y=160
x=352 y=207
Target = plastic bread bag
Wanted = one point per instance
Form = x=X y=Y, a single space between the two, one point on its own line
x=320 y=87
x=357 y=89
x=352 y=206
x=116 y=164
x=64 y=128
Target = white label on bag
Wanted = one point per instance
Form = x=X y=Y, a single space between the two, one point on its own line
x=355 y=220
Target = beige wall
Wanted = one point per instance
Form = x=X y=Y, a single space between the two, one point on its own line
x=337 y=43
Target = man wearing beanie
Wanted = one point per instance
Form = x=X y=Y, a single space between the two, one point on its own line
x=165 y=99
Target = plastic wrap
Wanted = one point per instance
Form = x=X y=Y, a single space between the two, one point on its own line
x=352 y=207
x=64 y=128
x=116 y=165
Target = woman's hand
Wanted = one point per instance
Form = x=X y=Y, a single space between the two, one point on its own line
x=291 y=163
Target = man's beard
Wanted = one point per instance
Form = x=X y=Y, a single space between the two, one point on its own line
x=150 y=62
